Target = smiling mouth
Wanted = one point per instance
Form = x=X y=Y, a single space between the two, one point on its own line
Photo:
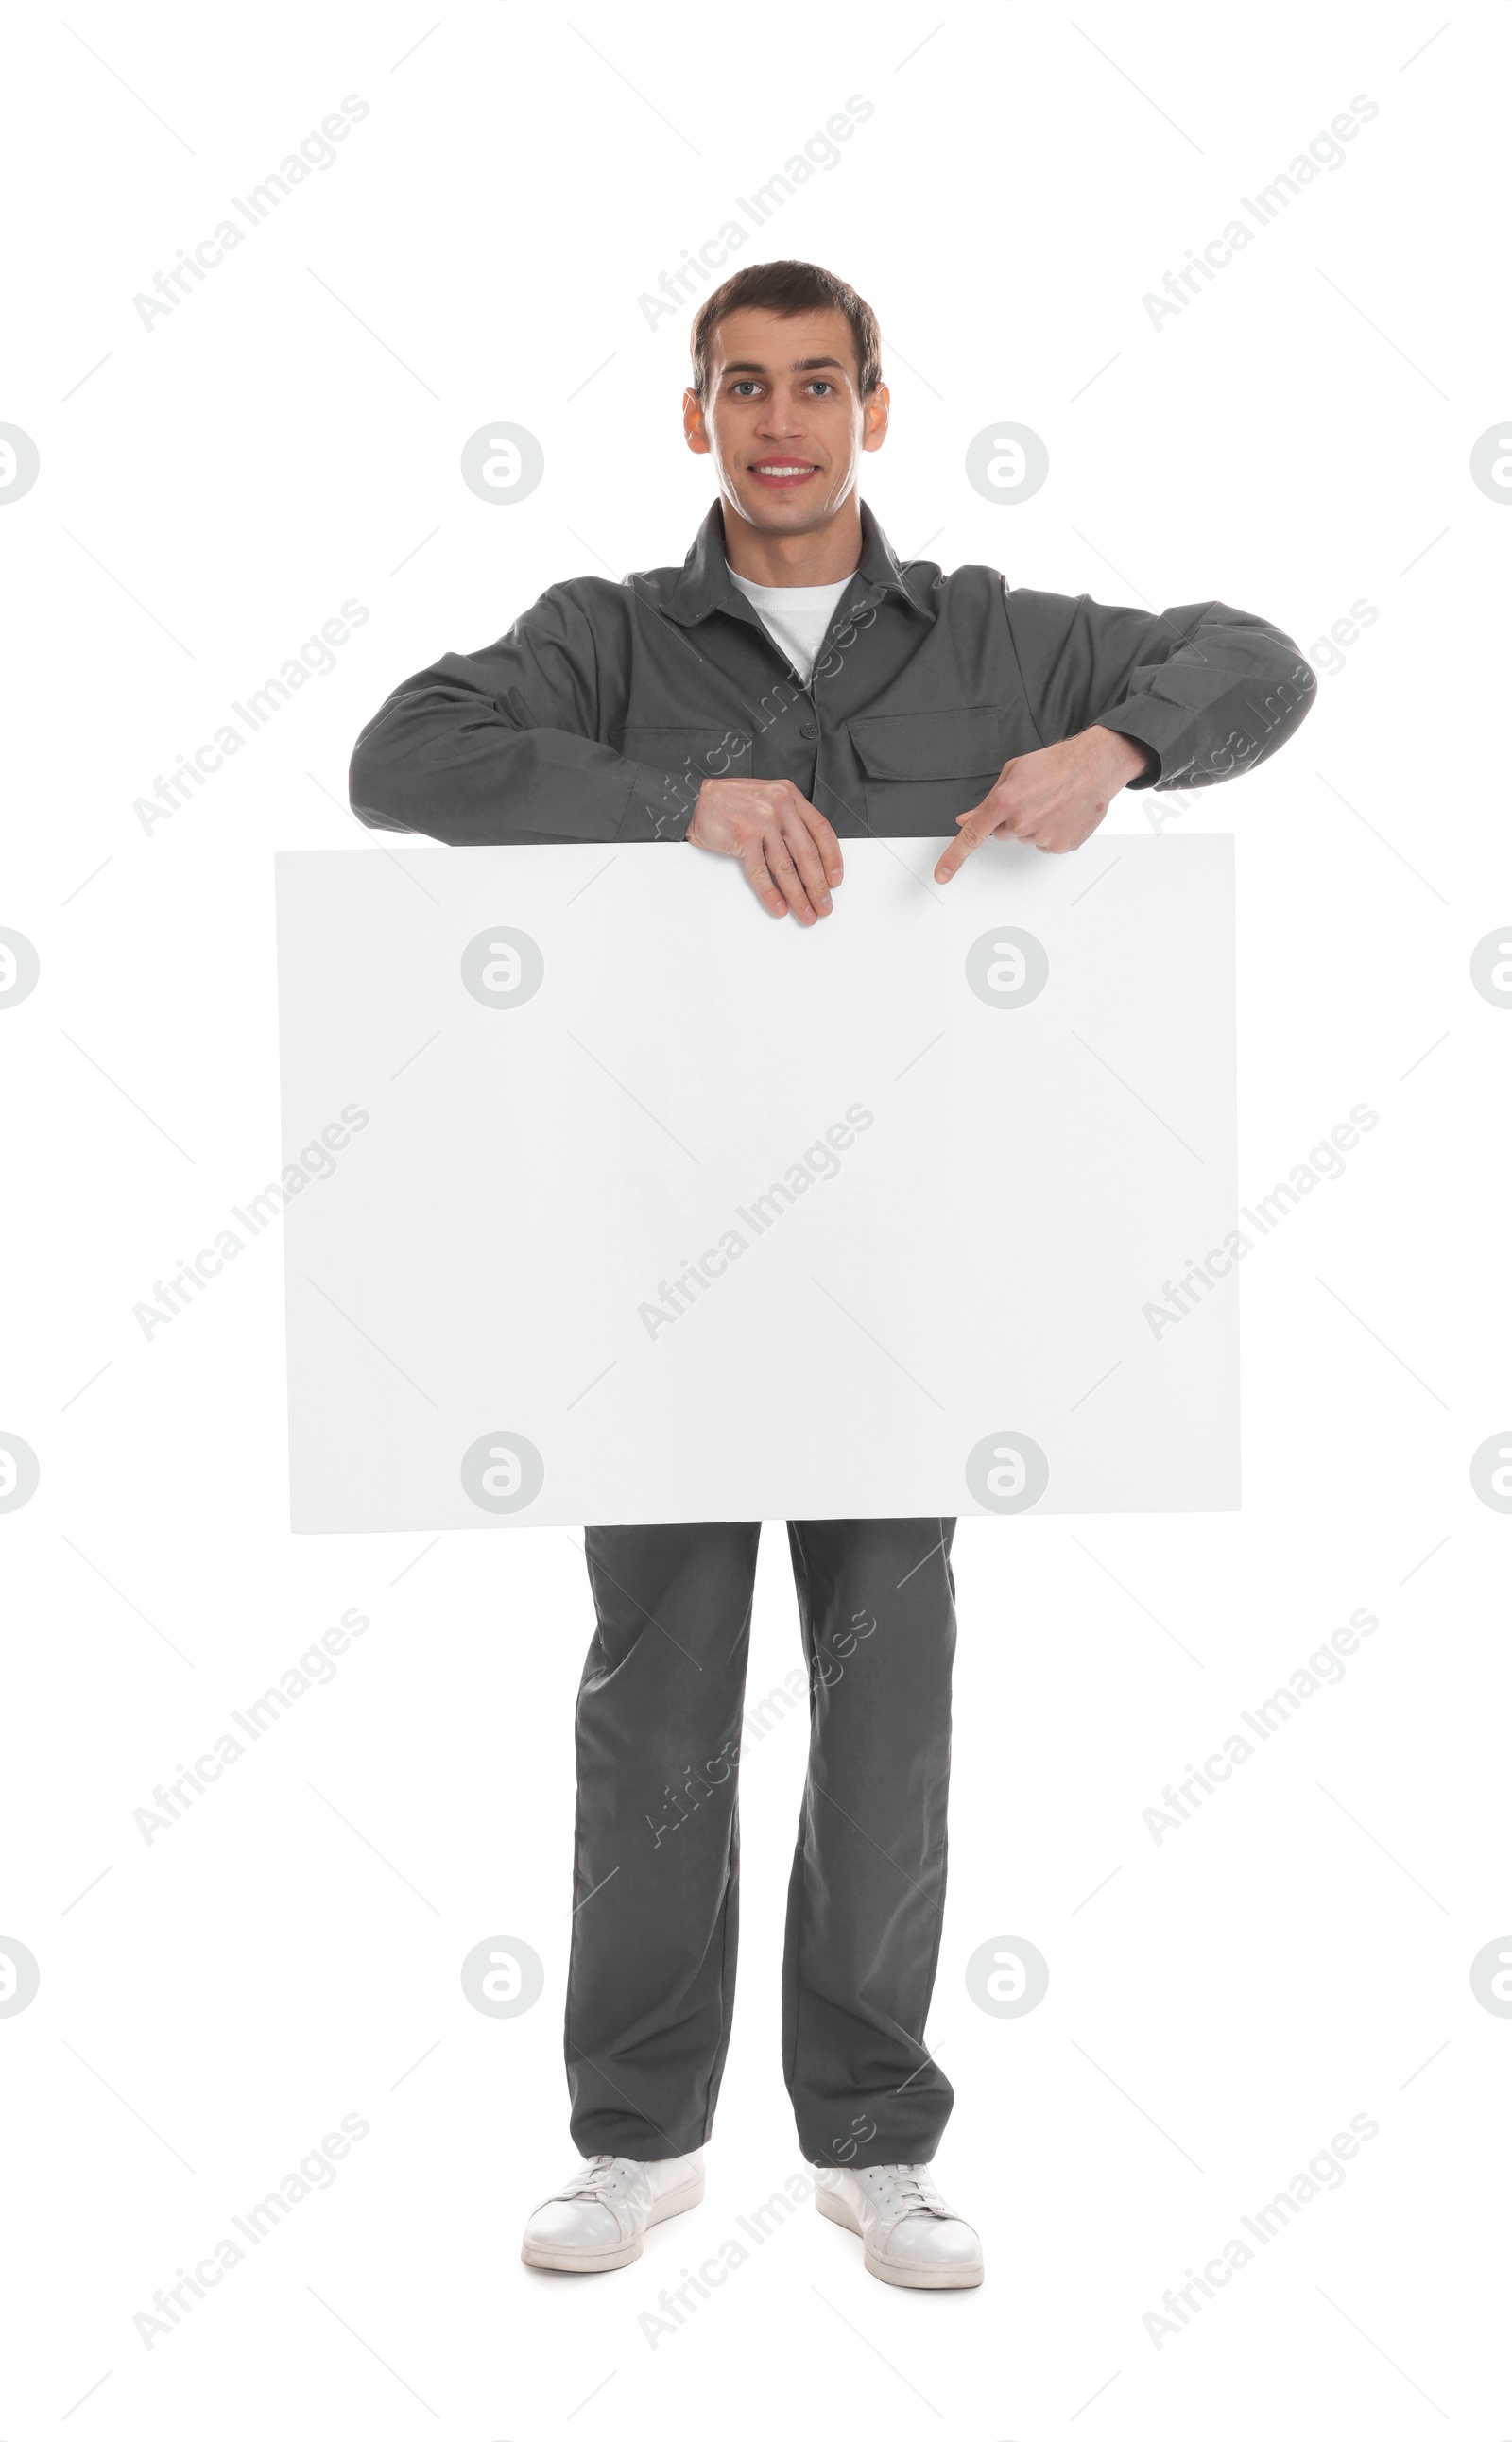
x=783 y=471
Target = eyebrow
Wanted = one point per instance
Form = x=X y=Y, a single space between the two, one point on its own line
x=802 y=365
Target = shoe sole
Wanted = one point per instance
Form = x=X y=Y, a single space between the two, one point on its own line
x=902 y=2276
x=544 y=2258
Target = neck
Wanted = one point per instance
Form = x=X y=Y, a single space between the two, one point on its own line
x=825 y=556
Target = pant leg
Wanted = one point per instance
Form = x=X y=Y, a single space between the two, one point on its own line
x=877 y=1603
x=652 y=1978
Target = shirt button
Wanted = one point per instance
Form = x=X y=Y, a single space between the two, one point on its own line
x=808 y=730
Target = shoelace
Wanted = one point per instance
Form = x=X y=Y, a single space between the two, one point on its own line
x=594 y=2179
x=905 y=2188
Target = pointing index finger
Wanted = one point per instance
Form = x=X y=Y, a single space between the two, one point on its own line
x=971 y=836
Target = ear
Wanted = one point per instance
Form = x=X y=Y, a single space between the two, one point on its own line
x=874 y=431
x=694 y=430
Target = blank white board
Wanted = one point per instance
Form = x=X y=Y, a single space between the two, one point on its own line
x=647 y=1206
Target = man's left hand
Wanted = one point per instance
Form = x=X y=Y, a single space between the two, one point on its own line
x=1053 y=799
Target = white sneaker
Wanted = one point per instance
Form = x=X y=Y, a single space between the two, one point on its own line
x=599 y=2219
x=911 y=2236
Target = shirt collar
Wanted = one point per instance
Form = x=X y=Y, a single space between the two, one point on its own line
x=703 y=584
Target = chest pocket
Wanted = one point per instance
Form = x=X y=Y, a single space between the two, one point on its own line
x=922 y=769
x=686 y=757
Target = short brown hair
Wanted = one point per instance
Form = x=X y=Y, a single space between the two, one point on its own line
x=787 y=288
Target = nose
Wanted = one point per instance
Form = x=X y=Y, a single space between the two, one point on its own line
x=783 y=420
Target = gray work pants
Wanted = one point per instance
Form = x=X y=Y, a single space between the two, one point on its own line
x=652 y=1978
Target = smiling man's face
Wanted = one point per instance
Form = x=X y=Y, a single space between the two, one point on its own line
x=785 y=424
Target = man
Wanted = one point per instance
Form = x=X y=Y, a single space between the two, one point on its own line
x=790 y=685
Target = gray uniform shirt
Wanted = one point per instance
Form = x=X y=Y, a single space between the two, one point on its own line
x=602 y=711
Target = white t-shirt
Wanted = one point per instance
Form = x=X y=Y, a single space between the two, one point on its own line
x=795 y=616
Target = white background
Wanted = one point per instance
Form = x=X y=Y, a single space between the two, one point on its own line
x=1295 y=441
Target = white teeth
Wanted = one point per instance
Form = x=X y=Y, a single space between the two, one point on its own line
x=784 y=470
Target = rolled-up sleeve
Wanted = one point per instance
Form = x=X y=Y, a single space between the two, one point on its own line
x=1209 y=690
x=503 y=746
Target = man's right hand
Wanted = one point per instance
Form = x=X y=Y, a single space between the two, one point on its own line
x=791 y=855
